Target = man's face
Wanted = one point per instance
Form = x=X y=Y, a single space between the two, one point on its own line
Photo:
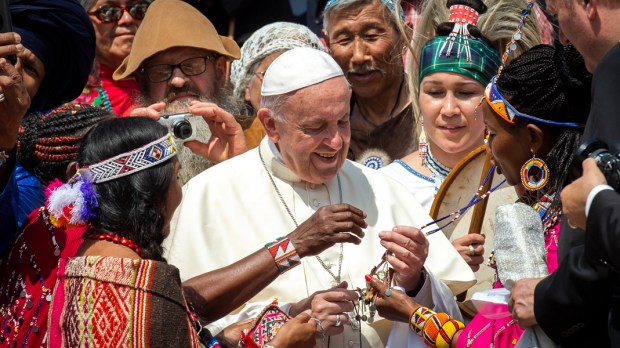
x=114 y=39
x=366 y=45
x=180 y=88
x=574 y=28
x=314 y=137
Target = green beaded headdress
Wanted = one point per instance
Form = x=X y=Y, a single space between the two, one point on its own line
x=459 y=52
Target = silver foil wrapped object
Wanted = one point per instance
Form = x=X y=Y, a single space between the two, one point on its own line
x=519 y=243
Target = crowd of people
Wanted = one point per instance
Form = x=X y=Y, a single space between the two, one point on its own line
x=288 y=201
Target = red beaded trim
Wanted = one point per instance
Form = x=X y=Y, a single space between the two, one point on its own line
x=115 y=238
x=463 y=14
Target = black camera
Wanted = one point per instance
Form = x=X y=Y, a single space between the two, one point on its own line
x=182 y=126
x=608 y=160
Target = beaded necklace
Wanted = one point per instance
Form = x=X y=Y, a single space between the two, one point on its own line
x=438 y=170
x=105 y=99
x=116 y=239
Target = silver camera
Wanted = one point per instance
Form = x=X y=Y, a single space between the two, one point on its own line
x=182 y=126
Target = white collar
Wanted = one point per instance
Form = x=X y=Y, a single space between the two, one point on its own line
x=273 y=161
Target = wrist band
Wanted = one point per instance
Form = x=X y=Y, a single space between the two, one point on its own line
x=436 y=329
x=284 y=254
x=418 y=319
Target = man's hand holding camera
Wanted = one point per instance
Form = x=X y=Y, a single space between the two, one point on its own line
x=227 y=138
x=575 y=195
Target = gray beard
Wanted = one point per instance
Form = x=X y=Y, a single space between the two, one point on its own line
x=192 y=164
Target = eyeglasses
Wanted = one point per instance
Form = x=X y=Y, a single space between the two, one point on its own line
x=112 y=14
x=260 y=75
x=189 y=67
x=508 y=112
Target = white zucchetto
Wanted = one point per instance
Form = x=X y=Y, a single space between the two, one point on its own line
x=298 y=68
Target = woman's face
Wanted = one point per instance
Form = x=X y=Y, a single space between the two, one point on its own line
x=174 y=196
x=252 y=90
x=509 y=145
x=32 y=70
x=114 y=40
x=447 y=103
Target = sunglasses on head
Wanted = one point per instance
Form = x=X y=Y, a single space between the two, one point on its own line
x=113 y=13
x=508 y=112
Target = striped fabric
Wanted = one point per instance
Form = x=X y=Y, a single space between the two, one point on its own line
x=119 y=302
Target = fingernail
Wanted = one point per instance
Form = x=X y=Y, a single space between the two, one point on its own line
x=19 y=47
x=381 y=234
x=395 y=229
x=17 y=37
x=368 y=277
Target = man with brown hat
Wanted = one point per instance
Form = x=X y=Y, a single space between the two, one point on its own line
x=179 y=61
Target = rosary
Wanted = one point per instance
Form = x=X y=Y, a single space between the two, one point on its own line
x=366 y=297
x=383 y=272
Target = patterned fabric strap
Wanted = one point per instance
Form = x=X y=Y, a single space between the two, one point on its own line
x=133 y=161
x=284 y=254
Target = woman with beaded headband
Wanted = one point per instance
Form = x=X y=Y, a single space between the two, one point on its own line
x=455 y=65
x=534 y=112
x=122 y=197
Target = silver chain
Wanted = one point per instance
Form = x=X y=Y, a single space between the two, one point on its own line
x=336 y=278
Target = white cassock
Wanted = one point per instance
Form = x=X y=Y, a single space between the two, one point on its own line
x=232 y=209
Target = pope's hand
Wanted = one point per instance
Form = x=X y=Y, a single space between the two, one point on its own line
x=338 y=223
x=408 y=249
x=329 y=307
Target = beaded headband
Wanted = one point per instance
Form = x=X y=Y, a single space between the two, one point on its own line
x=132 y=161
x=75 y=203
x=511 y=46
x=444 y=53
x=508 y=112
x=461 y=16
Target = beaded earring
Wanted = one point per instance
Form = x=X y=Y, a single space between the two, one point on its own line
x=422 y=144
x=530 y=181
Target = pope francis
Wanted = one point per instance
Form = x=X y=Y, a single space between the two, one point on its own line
x=299 y=167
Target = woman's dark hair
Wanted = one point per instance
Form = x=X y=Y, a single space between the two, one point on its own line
x=551 y=84
x=47 y=143
x=445 y=28
x=131 y=206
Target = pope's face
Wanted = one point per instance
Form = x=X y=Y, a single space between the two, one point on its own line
x=314 y=136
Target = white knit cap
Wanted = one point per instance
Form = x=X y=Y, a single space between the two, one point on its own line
x=298 y=68
x=272 y=38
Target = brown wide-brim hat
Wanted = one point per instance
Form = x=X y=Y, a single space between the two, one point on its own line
x=173 y=23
